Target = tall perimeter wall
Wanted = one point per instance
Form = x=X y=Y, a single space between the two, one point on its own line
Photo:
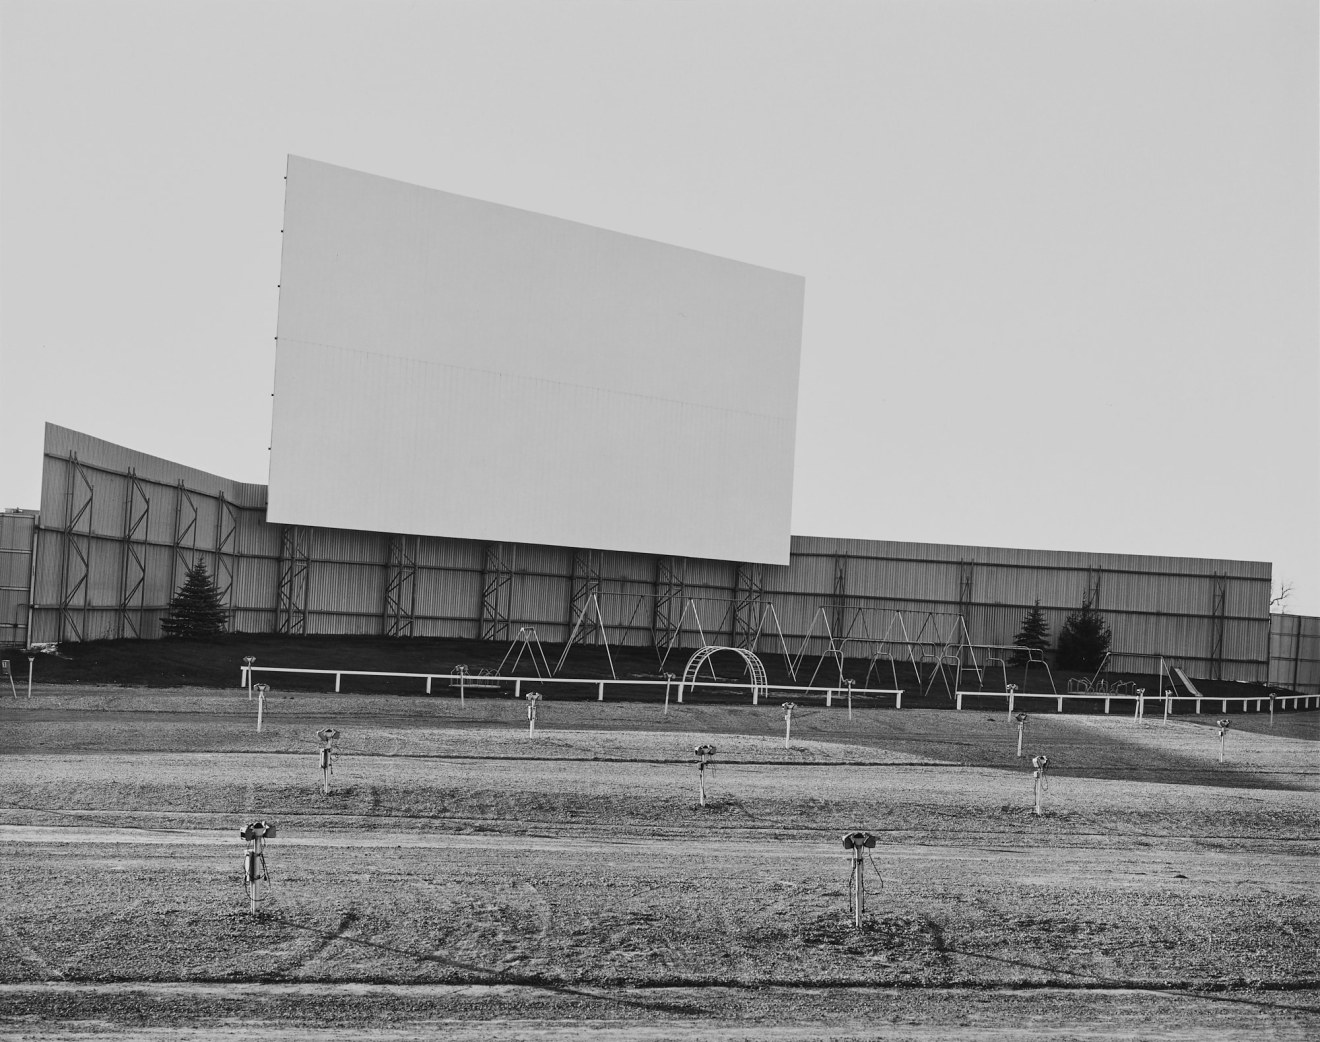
x=1295 y=652
x=17 y=538
x=118 y=528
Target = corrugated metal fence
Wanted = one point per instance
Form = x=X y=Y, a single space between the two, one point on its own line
x=118 y=528
x=1295 y=652
x=17 y=532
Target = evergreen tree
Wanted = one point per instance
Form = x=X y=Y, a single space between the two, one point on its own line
x=196 y=610
x=1084 y=639
x=1035 y=633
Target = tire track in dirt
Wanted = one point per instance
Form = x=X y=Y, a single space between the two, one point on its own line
x=745 y=968
x=528 y=948
x=28 y=955
x=939 y=945
x=337 y=933
x=602 y=839
x=293 y=1012
x=545 y=913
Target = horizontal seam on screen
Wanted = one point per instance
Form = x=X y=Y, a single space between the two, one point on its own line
x=538 y=379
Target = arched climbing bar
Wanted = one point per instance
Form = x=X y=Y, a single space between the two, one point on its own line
x=755 y=669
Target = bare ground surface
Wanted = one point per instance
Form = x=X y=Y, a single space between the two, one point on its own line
x=468 y=879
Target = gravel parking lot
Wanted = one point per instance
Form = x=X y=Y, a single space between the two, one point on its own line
x=463 y=875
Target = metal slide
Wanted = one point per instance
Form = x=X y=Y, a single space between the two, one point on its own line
x=1191 y=688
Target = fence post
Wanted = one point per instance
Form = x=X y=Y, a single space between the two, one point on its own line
x=261 y=690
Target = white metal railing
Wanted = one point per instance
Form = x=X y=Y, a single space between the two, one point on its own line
x=1141 y=701
x=462 y=681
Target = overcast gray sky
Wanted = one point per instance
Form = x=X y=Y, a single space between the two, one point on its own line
x=1061 y=257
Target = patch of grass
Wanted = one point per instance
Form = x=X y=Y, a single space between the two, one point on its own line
x=217 y=662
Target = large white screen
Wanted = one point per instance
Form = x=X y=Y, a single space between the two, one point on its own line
x=451 y=367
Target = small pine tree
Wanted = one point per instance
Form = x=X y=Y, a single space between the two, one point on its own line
x=196 y=610
x=1084 y=639
x=1035 y=633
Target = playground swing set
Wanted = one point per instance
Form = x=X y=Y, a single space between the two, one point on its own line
x=939 y=648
